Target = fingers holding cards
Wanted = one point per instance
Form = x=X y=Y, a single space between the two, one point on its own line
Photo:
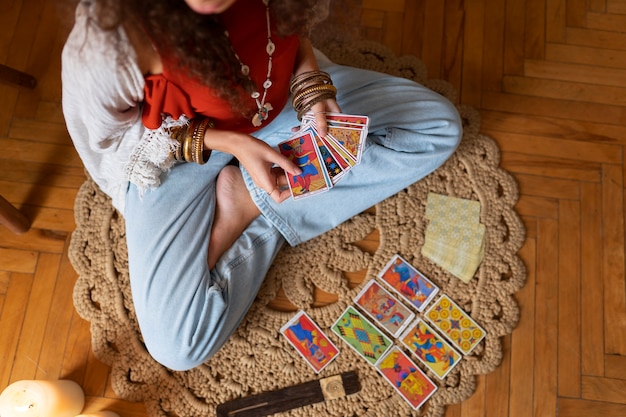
x=324 y=158
x=319 y=111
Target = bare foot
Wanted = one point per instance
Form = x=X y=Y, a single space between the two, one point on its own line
x=234 y=211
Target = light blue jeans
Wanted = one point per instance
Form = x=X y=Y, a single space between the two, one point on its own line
x=185 y=311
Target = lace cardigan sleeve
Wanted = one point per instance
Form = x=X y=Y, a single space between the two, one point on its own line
x=102 y=84
x=102 y=96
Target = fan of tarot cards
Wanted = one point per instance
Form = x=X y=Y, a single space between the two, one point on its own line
x=324 y=160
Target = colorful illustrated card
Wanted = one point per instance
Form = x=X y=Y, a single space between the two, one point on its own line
x=361 y=122
x=302 y=150
x=408 y=380
x=345 y=131
x=408 y=282
x=430 y=348
x=310 y=341
x=335 y=168
x=349 y=139
x=340 y=119
x=446 y=316
x=385 y=309
x=341 y=155
x=361 y=335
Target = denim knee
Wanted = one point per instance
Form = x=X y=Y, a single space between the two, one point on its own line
x=172 y=352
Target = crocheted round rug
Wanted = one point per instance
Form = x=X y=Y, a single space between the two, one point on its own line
x=257 y=358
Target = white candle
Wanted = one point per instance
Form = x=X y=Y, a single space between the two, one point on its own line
x=62 y=398
x=100 y=414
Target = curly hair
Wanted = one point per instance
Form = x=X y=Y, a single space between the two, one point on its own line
x=197 y=41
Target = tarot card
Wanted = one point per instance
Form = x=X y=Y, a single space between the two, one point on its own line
x=352 y=120
x=385 y=309
x=452 y=210
x=303 y=151
x=340 y=154
x=310 y=341
x=412 y=285
x=348 y=119
x=334 y=169
x=350 y=123
x=407 y=379
x=454 y=238
x=455 y=324
x=459 y=249
x=430 y=348
x=361 y=335
x=345 y=131
x=349 y=139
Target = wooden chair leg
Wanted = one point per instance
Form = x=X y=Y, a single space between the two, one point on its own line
x=12 y=218
x=12 y=76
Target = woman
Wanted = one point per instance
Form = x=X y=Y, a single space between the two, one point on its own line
x=176 y=108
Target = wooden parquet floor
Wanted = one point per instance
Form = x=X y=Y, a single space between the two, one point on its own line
x=549 y=79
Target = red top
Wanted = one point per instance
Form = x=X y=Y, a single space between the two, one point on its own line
x=174 y=93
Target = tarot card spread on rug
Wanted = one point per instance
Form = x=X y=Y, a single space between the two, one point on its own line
x=407 y=379
x=430 y=348
x=413 y=286
x=385 y=309
x=361 y=335
x=310 y=341
x=464 y=333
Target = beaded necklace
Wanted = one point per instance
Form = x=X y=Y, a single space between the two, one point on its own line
x=263 y=108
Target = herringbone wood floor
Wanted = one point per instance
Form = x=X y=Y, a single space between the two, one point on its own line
x=549 y=79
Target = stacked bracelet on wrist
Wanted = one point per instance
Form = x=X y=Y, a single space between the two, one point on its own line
x=309 y=88
x=191 y=141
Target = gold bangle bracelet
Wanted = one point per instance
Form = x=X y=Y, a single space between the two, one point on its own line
x=309 y=74
x=310 y=102
x=294 y=90
x=193 y=129
x=305 y=102
x=190 y=140
x=309 y=77
x=187 y=155
x=306 y=99
x=316 y=89
x=197 y=146
x=178 y=133
x=198 y=141
x=305 y=107
x=307 y=87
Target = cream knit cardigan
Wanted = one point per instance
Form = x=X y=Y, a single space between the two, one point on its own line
x=102 y=96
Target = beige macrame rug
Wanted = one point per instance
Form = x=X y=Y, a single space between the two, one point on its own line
x=257 y=358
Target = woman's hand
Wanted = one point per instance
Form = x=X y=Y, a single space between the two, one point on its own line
x=319 y=110
x=265 y=165
x=267 y=168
